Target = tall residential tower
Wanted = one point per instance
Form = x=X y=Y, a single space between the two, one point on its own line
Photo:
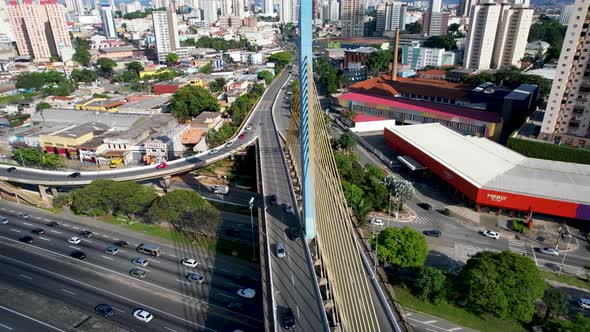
x=166 y=33
x=352 y=17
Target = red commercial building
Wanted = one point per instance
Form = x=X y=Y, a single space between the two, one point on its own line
x=491 y=175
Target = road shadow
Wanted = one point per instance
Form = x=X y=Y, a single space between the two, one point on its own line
x=443 y=262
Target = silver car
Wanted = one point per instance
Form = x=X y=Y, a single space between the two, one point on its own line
x=280 y=250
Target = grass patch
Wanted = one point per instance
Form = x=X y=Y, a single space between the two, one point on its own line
x=566 y=279
x=455 y=314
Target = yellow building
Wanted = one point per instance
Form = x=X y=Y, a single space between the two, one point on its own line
x=99 y=104
x=153 y=70
x=65 y=141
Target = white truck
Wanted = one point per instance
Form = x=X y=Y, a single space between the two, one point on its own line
x=223 y=190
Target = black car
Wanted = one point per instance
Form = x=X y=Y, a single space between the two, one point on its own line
x=273 y=199
x=122 y=244
x=432 y=232
x=75 y=175
x=26 y=239
x=86 y=234
x=11 y=169
x=232 y=232
x=52 y=224
x=288 y=319
x=38 y=231
x=425 y=206
x=137 y=273
x=104 y=310
x=78 y=255
x=294 y=233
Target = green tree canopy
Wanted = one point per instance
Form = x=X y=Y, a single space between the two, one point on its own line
x=446 y=42
x=403 y=247
x=378 y=62
x=280 y=59
x=172 y=59
x=37 y=157
x=105 y=67
x=550 y=31
x=206 y=69
x=190 y=101
x=217 y=85
x=42 y=106
x=134 y=66
x=172 y=206
x=82 y=56
x=503 y=284
x=203 y=219
x=83 y=75
x=556 y=300
x=266 y=76
x=431 y=284
x=413 y=28
x=346 y=141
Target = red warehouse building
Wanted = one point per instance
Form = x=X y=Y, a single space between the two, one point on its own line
x=492 y=175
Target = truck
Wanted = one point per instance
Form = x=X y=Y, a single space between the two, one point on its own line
x=223 y=190
x=115 y=162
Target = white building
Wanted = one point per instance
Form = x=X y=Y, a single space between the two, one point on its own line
x=108 y=21
x=566 y=13
x=567 y=115
x=166 y=33
x=210 y=11
x=238 y=8
x=391 y=16
x=334 y=9
x=268 y=10
x=436 y=57
x=286 y=13
x=352 y=17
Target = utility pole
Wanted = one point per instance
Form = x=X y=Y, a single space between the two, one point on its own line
x=376 y=237
x=565 y=255
x=251 y=204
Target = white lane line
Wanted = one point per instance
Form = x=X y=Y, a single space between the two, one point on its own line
x=66 y=225
x=89 y=241
x=31 y=318
x=430 y=330
x=76 y=227
x=6 y=327
x=169 y=329
x=74 y=247
x=430 y=321
x=26 y=223
x=15 y=230
x=292 y=280
x=172 y=255
x=298 y=313
x=455 y=329
x=225 y=295
x=37 y=217
x=26 y=277
x=44 y=238
x=67 y=291
x=46 y=219
x=95 y=233
x=3 y=209
x=155 y=261
x=11 y=210
x=183 y=281
x=56 y=232
x=211 y=266
x=108 y=237
x=231 y=283
x=109 y=258
x=118 y=309
x=114 y=238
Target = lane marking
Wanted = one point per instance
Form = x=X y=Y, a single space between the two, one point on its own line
x=106 y=236
x=169 y=329
x=292 y=280
x=183 y=281
x=6 y=327
x=56 y=232
x=96 y=233
x=430 y=321
x=225 y=295
x=46 y=219
x=67 y=291
x=31 y=318
x=172 y=255
x=109 y=258
x=113 y=238
x=26 y=277
x=89 y=241
x=44 y=238
x=15 y=230
x=11 y=210
x=66 y=225
x=37 y=217
x=118 y=309
x=107 y=292
x=455 y=329
x=28 y=224
x=153 y=260
x=76 y=227
x=74 y=247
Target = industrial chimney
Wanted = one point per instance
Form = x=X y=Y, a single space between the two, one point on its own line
x=395 y=47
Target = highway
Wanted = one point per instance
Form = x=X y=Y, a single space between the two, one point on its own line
x=102 y=277
x=12 y=320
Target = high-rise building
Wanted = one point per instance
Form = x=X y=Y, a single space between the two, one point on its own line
x=209 y=11
x=390 y=17
x=497 y=34
x=566 y=13
x=334 y=10
x=567 y=115
x=352 y=17
x=108 y=21
x=166 y=33
x=435 y=22
x=76 y=6
x=268 y=10
x=40 y=29
x=286 y=13
x=157 y=4
x=464 y=8
x=238 y=8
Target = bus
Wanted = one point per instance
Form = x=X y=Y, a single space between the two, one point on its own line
x=149 y=249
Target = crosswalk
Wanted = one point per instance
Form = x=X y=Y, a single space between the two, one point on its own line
x=517 y=246
x=445 y=223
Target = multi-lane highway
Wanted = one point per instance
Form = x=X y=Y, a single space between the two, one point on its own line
x=45 y=266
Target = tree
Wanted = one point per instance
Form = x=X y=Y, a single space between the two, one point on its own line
x=378 y=62
x=82 y=56
x=266 y=76
x=36 y=157
x=203 y=219
x=504 y=284
x=83 y=75
x=190 y=101
x=280 y=59
x=134 y=66
x=106 y=67
x=30 y=80
x=171 y=59
x=413 y=28
x=401 y=189
x=346 y=141
x=217 y=85
x=446 y=42
x=431 y=284
x=42 y=106
x=171 y=207
x=355 y=198
x=556 y=301
x=206 y=69
x=215 y=138
x=403 y=247
x=550 y=31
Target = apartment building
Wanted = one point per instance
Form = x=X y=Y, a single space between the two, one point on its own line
x=166 y=33
x=352 y=17
x=391 y=16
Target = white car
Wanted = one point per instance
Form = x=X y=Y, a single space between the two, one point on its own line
x=74 y=240
x=189 y=262
x=212 y=151
x=248 y=128
x=377 y=222
x=549 y=251
x=288 y=208
x=247 y=293
x=584 y=303
x=3 y=221
x=195 y=277
x=140 y=261
x=491 y=234
x=142 y=315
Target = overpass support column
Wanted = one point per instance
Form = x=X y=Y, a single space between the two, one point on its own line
x=54 y=192
x=166 y=182
x=43 y=192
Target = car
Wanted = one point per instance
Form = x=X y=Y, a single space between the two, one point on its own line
x=86 y=234
x=212 y=151
x=26 y=239
x=190 y=262
x=75 y=175
x=288 y=208
x=294 y=233
x=247 y=293
x=11 y=169
x=376 y=222
x=234 y=232
x=161 y=165
x=549 y=251
x=248 y=128
x=74 y=240
x=38 y=231
x=137 y=273
x=112 y=250
x=584 y=303
x=104 y=310
x=425 y=206
x=3 y=221
x=195 y=277
x=491 y=234
x=23 y=215
x=273 y=199
x=240 y=136
x=288 y=319
x=142 y=315
x=228 y=144
x=78 y=255
x=281 y=250
x=122 y=244
x=140 y=261
x=235 y=306
x=432 y=232
x=52 y=224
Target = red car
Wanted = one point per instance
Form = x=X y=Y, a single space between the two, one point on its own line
x=241 y=136
x=161 y=165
